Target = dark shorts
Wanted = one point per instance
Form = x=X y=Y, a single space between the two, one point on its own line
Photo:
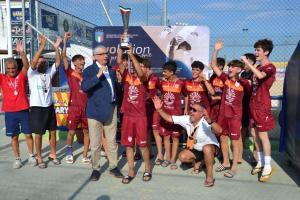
x=231 y=127
x=134 y=131
x=76 y=117
x=262 y=119
x=168 y=129
x=42 y=119
x=17 y=122
x=198 y=155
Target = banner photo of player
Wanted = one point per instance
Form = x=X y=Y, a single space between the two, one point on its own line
x=183 y=44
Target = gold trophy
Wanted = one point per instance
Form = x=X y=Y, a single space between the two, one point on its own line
x=125 y=12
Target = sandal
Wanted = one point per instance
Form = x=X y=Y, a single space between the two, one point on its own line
x=158 y=161
x=229 y=174
x=127 y=179
x=221 y=168
x=147 y=176
x=173 y=165
x=266 y=177
x=55 y=161
x=195 y=171
x=86 y=160
x=256 y=170
x=42 y=165
x=165 y=163
x=209 y=183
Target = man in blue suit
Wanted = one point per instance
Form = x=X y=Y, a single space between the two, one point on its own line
x=99 y=82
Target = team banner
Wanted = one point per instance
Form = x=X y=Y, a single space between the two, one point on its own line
x=183 y=44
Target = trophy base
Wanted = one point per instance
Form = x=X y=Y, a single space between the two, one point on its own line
x=124 y=46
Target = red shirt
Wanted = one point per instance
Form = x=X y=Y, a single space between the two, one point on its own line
x=14 y=92
x=232 y=99
x=77 y=96
x=152 y=85
x=218 y=86
x=197 y=92
x=260 y=98
x=171 y=92
x=135 y=94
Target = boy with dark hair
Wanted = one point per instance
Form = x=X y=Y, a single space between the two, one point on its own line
x=134 y=123
x=171 y=88
x=15 y=105
x=197 y=88
x=230 y=116
x=260 y=105
x=217 y=85
x=77 y=103
x=246 y=74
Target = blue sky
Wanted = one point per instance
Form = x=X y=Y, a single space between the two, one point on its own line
x=239 y=22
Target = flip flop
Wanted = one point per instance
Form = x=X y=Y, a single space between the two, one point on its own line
x=127 y=179
x=158 y=161
x=42 y=165
x=147 y=176
x=221 y=168
x=166 y=163
x=229 y=174
x=209 y=183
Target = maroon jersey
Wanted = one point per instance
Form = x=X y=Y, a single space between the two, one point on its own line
x=218 y=86
x=197 y=92
x=153 y=83
x=260 y=98
x=135 y=94
x=232 y=99
x=171 y=93
x=77 y=96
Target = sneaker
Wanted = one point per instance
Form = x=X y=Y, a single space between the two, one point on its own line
x=17 y=164
x=69 y=159
x=32 y=161
x=69 y=156
x=86 y=160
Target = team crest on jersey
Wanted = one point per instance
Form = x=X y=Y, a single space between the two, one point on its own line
x=133 y=93
x=169 y=99
x=195 y=97
x=230 y=96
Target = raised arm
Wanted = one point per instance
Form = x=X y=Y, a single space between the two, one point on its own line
x=136 y=64
x=214 y=65
x=21 y=52
x=64 y=51
x=158 y=106
x=256 y=72
x=37 y=55
x=57 y=53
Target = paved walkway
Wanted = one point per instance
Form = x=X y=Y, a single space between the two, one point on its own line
x=71 y=181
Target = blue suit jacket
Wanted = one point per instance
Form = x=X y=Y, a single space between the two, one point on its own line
x=99 y=103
